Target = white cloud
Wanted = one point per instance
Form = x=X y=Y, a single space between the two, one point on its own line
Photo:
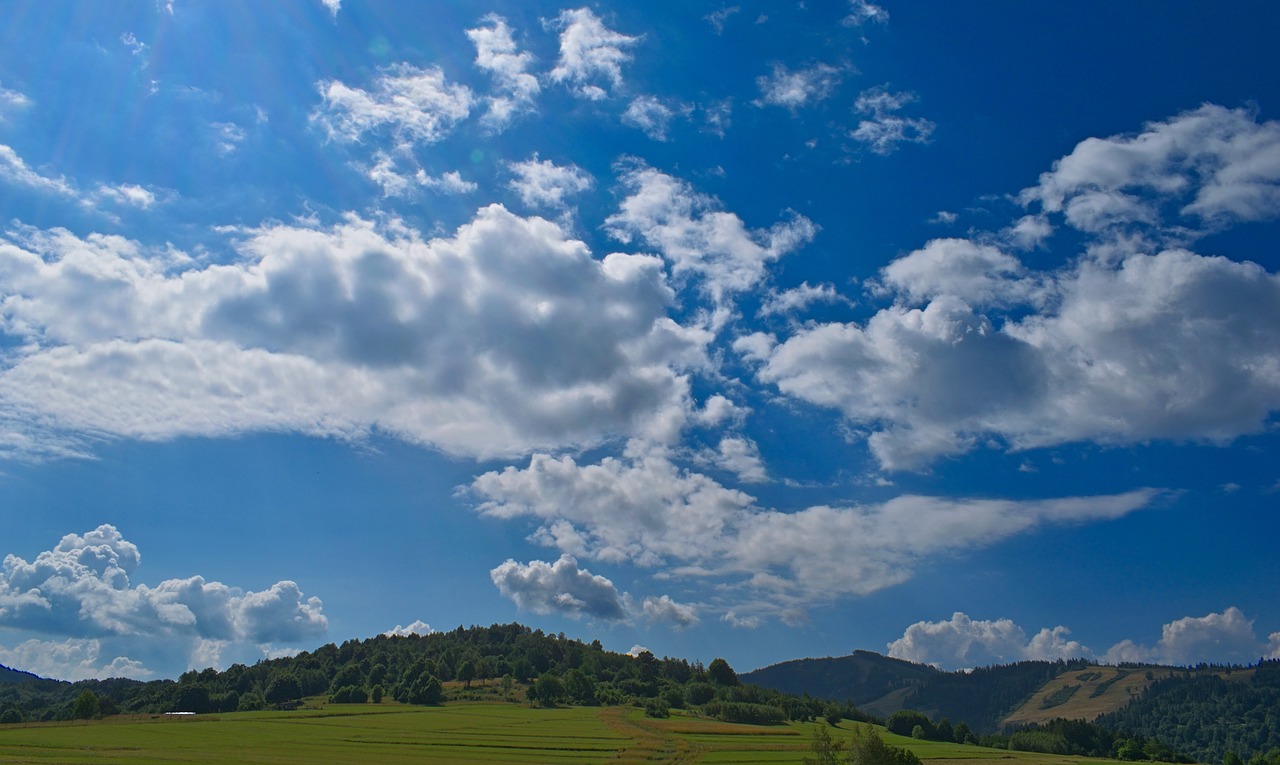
x=651 y=115
x=14 y=170
x=798 y=299
x=861 y=11
x=884 y=129
x=497 y=54
x=719 y=17
x=664 y=610
x=645 y=510
x=71 y=659
x=544 y=184
x=417 y=627
x=1216 y=637
x=559 y=587
x=1127 y=343
x=450 y=182
x=129 y=194
x=334 y=6
x=228 y=137
x=962 y=643
x=82 y=589
x=415 y=105
x=1214 y=165
x=499 y=339
x=696 y=237
x=590 y=53
x=740 y=456
x=12 y=101
x=795 y=90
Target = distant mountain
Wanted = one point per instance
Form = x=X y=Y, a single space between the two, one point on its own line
x=881 y=685
x=873 y=682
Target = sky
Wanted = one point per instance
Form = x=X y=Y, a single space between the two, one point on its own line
x=758 y=331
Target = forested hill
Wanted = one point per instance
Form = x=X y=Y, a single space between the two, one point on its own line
x=8 y=675
x=881 y=685
x=510 y=661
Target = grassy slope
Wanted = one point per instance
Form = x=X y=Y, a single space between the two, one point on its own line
x=1083 y=705
x=455 y=733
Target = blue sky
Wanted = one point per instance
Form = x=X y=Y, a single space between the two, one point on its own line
x=746 y=330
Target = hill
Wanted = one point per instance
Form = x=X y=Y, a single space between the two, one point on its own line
x=8 y=675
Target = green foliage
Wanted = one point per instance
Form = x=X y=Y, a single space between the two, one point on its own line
x=905 y=721
x=745 y=712
x=720 y=673
x=349 y=694
x=10 y=716
x=1059 y=697
x=867 y=748
x=657 y=707
x=1102 y=687
x=86 y=706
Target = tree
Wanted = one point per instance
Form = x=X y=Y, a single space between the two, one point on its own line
x=721 y=673
x=375 y=695
x=549 y=689
x=867 y=748
x=283 y=689
x=86 y=706
x=826 y=750
x=467 y=673
x=10 y=716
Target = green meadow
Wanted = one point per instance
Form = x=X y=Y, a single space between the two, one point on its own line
x=454 y=733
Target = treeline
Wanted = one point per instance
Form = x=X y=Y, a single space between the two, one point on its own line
x=545 y=669
x=1066 y=737
x=1211 y=717
x=983 y=696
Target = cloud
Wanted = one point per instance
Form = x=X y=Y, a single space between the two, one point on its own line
x=590 y=53
x=497 y=54
x=651 y=115
x=500 y=339
x=82 y=589
x=334 y=6
x=1127 y=343
x=12 y=101
x=798 y=299
x=884 y=130
x=559 y=587
x=1212 y=165
x=229 y=136
x=717 y=18
x=71 y=660
x=645 y=510
x=795 y=90
x=962 y=643
x=14 y=170
x=544 y=184
x=740 y=456
x=1217 y=637
x=417 y=627
x=414 y=105
x=861 y=11
x=664 y=610
x=696 y=237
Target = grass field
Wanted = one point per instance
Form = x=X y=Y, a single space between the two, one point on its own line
x=455 y=733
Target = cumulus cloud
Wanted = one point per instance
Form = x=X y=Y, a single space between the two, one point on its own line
x=544 y=184
x=413 y=105
x=82 y=589
x=647 y=511
x=962 y=642
x=1125 y=344
x=498 y=339
x=498 y=54
x=884 y=129
x=559 y=587
x=1212 y=165
x=696 y=237
x=16 y=171
x=417 y=627
x=1216 y=637
x=71 y=659
x=794 y=90
x=664 y=610
x=12 y=101
x=590 y=53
